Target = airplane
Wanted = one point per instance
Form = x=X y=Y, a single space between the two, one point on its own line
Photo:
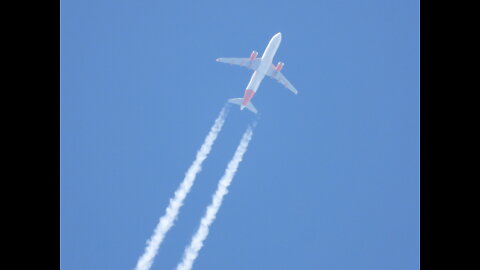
x=261 y=66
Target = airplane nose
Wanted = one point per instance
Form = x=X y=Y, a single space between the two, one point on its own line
x=279 y=35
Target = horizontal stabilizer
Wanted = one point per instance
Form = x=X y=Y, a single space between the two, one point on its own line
x=239 y=101
x=251 y=107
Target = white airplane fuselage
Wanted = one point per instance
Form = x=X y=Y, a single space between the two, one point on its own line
x=262 y=69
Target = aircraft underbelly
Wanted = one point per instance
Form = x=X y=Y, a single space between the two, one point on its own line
x=261 y=71
x=256 y=79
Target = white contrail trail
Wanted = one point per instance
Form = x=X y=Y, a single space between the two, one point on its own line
x=167 y=220
x=191 y=252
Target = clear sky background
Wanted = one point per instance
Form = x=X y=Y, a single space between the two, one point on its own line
x=331 y=177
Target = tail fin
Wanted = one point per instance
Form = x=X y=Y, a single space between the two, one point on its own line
x=239 y=101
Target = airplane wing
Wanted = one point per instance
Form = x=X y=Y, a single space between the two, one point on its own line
x=244 y=62
x=278 y=76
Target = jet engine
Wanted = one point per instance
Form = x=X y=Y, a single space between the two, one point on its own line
x=279 y=66
x=253 y=55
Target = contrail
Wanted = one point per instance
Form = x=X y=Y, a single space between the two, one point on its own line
x=191 y=252
x=167 y=220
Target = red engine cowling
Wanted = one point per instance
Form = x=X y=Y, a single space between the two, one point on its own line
x=253 y=55
x=279 y=66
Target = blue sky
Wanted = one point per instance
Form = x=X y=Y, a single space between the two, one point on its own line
x=331 y=177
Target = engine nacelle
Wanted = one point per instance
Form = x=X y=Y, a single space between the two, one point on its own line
x=253 y=55
x=279 y=66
